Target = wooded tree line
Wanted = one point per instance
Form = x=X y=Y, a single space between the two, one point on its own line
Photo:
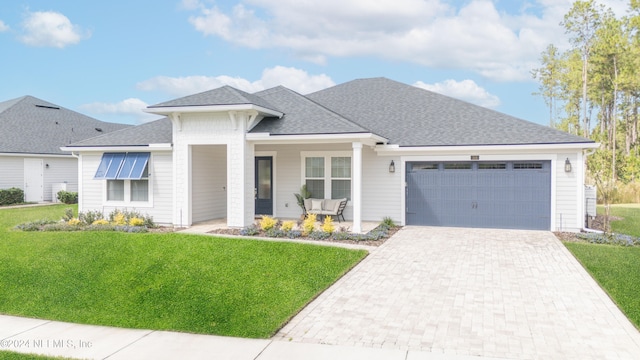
x=593 y=88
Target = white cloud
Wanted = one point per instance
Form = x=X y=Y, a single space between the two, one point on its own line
x=466 y=90
x=474 y=36
x=295 y=79
x=51 y=29
x=130 y=107
x=3 y=26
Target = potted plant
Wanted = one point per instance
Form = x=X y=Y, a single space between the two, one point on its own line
x=303 y=194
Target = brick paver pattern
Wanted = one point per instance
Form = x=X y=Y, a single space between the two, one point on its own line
x=481 y=292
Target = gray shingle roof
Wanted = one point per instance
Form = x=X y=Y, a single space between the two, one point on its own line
x=302 y=116
x=410 y=116
x=225 y=95
x=404 y=114
x=154 y=132
x=31 y=125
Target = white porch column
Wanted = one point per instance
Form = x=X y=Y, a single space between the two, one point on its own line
x=356 y=179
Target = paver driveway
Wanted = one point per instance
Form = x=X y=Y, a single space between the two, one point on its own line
x=495 y=293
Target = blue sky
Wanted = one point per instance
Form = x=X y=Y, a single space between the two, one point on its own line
x=110 y=59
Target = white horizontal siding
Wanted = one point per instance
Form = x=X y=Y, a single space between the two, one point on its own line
x=161 y=179
x=380 y=189
x=566 y=201
x=60 y=170
x=11 y=172
x=209 y=182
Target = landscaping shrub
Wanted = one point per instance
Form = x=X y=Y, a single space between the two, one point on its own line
x=319 y=235
x=273 y=232
x=91 y=216
x=610 y=239
x=123 y=217
x=388 y=222
x=327 y=225
x=100 y=222
x=288 y=225
x=293 y=234
x=68 y=214
x=11 y=196
x=250 y=230
x=267 y=223
x=34 y=225
x=67 y=197
x=309 y=224
x=136 y=221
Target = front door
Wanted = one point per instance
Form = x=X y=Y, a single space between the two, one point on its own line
x=264 y=188
x=33 y=181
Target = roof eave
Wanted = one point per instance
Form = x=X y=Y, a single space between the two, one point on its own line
x=267 y=138
x=396 y=149
x=151 y=147
x=168 y=110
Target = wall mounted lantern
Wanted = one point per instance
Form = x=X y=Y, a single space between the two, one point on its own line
x=567 y=165
x=47 y=166
x=392 y=167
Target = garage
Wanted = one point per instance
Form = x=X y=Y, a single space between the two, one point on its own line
x=497 y=194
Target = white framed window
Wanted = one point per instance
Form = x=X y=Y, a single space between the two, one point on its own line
x=126 y=178
x=327 y=174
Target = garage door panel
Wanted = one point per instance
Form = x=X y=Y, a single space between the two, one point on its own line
x=507 y=195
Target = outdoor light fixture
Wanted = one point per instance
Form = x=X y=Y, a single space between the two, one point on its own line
x=392 y=167
x=47 y=166
x=567 y=165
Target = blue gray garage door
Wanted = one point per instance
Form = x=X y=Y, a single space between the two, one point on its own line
x=505 y=195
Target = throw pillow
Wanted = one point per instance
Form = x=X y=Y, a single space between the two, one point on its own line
x=316 y=205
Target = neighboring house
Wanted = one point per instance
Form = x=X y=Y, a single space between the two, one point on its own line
x=392 y=149
x=31 y=134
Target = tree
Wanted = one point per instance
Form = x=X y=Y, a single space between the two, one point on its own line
x=581 y=23
x=549 y=76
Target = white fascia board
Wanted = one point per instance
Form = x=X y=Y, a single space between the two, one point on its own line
x=150 y=147
x=211 y=108
x=395 y=149
x=266 y=138
x=36 y=155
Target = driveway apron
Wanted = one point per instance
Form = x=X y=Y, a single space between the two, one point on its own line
x=480 y=292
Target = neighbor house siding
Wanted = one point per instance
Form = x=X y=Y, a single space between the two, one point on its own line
x=12 y=172
x=61 y=170
x=567 y=186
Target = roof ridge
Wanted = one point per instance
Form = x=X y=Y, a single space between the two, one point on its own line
x=332 y=112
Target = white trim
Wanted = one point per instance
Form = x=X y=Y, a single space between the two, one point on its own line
x=580 y=168
x=274 y=183
x=63 y=156
x=471 y=149
x=150 y=147
x=266 y=138
x=356 y=186
x=127 y=191
x=489 y=157
x=168 y=110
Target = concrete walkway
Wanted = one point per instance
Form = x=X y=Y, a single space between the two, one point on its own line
x=427 y=293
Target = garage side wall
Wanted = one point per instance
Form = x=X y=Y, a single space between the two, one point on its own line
x=61 y=170
x=568 y=190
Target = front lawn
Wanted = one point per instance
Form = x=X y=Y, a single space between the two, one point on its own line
x=630 y=222
x=161 y=281
x=617 y=270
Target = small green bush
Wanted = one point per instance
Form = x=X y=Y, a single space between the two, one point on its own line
x=68 y=197
x=11 y=196
x=388 y=222
x=90 y=216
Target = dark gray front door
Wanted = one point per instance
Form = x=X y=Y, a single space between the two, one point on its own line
x=264 y=188
x=506 y=195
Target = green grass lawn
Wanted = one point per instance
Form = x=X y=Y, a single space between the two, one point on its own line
x=616 y=268
x=10 y=355
x=170 y=281
x=630 y=224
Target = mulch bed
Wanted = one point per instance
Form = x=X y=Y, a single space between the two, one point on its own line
x=597 y=224
x=236 y=232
